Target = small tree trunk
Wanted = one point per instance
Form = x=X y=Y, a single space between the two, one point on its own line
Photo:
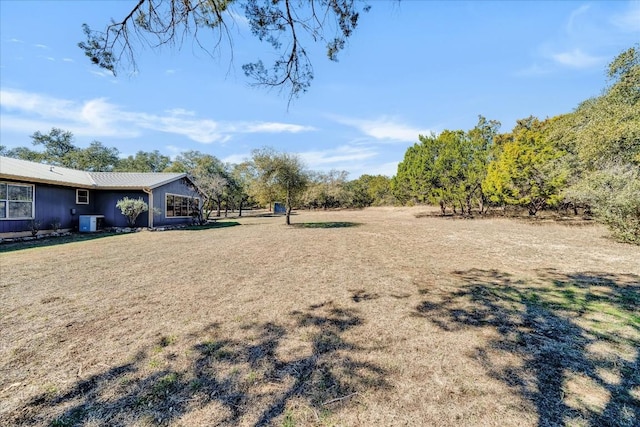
x=206 y=213
x=218 y=202
x=289 y=207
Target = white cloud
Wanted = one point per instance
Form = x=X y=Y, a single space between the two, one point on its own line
x=338 y=158
x=30 y=102
x=67 y=60
x=28 y=126
x=356 y=159
x=586 y=40
x=173 y=150
x=236 y=158
x=41 y=46
x=392 y=131
x=630 y=20
x=24 y=111
x=575 y=15
x=577 y=59
x=239 y=19
x=170 y=71
x=203 y=131
x=97 y=115
x=102 y=74
x=263 y=127
x=385 y=129
x=14 y=40
x=388 y=169
x=180 y=112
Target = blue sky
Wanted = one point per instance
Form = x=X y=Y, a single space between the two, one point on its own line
x=411 y=68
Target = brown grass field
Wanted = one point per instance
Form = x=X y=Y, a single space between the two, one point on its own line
x=379 y=317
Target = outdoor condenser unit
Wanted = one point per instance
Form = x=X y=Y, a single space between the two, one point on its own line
x=90 y=223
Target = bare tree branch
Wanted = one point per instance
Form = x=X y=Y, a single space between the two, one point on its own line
x=281 y=23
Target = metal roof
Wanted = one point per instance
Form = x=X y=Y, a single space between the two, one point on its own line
x=133 y=179
x=37 y=172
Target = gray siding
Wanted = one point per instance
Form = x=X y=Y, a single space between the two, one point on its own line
x=180 y=187
x=51 y=204
x=105 y=204
x=56 y=203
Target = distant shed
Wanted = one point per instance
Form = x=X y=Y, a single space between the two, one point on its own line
x=279 y=208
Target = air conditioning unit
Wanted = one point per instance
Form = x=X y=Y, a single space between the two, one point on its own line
x=91 y=223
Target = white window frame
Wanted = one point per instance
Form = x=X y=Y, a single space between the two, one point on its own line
x=166 y=204
x=6 y=200
x=78 y=202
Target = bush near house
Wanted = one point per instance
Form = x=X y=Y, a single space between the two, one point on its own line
x=132 y=208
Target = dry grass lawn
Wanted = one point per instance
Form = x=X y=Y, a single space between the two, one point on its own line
x=358 y=318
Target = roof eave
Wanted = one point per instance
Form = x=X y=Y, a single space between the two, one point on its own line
x=45 y=181
x=167 y=181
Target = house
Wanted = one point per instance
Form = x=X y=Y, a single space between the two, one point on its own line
x=55 y=197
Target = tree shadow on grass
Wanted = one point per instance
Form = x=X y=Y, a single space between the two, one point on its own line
x=55 y=240
x=268 y=215
x=359 y=295
x=210 y=225
x=243 y=376
x=577 y=337
x=342 y=224
x=82 y=237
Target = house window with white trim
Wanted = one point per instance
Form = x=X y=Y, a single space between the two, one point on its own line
x=16 y=200
x=181 y=206
x=82 y=197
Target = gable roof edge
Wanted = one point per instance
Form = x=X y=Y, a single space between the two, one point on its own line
x=168 y=180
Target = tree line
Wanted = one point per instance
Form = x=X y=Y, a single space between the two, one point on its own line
x=587 y=159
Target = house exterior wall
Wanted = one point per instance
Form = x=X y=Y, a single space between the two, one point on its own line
x=52 y=203
x=105 y=204
x=55 y=203
x=180 y=187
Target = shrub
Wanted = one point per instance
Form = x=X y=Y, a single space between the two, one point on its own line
x=34 y=227
x=56 y=224
x=132 y=208
x=614 y=195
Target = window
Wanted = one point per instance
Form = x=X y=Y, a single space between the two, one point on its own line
x=16 y=201
x=181 y=206
x=82 y=197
